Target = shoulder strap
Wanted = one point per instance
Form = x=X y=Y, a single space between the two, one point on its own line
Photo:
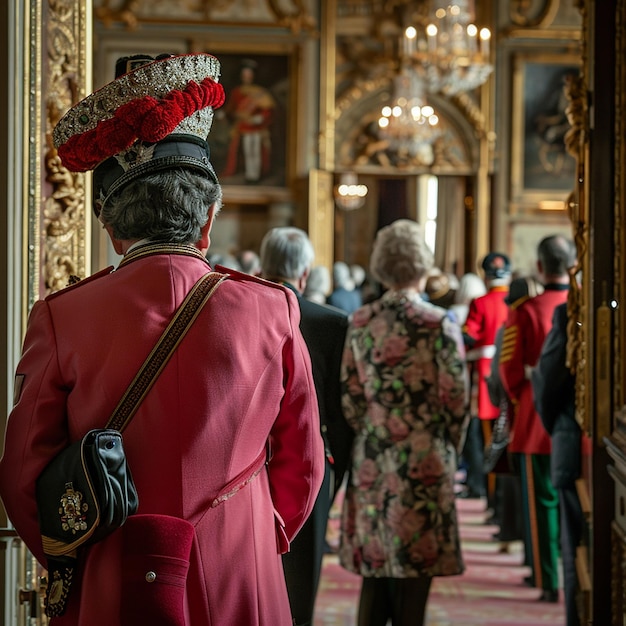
x=169 y=340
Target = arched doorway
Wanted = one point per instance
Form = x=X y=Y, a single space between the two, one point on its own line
x=395 y=175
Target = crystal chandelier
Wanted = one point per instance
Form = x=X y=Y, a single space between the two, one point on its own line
x=448 y=50
x=409 y=125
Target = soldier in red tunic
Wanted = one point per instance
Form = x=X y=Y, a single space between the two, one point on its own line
x=485 y=316
x=524 y=335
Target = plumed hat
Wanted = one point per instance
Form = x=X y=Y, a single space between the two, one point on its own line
x=155 y=115
x=496 y=265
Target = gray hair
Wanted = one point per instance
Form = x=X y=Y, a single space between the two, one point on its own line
x=342 y=276
x=249 y=262
x=557 y=255
x=169 y=206
x=400 y=255
x=358 y=274
x=286 y=252
x=318 y=281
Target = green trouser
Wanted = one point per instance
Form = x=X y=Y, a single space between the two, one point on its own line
x=541 y=508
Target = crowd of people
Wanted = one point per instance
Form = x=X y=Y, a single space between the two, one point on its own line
x=290 y=386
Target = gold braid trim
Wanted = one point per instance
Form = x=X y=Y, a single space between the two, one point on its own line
x=150 y=249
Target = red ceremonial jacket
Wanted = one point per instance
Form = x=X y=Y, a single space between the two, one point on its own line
x=524 y=334
x=485 y=316
x=241 y=376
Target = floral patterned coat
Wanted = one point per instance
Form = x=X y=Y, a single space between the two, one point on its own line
x=404 y=382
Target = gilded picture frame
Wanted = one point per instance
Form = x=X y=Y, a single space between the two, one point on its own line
x=542 y=170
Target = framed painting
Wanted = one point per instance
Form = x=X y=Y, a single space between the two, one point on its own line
x=249 y=139
x=524 y=237
x=541 y=168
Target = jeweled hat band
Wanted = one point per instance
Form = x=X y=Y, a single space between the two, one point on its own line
x=120 y=127
x=174 y=151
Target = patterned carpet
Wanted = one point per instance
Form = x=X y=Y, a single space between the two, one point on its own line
x=490 y=592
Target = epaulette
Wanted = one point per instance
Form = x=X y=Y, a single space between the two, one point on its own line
x=237 y=275
x=518 y=302
x=74 y=282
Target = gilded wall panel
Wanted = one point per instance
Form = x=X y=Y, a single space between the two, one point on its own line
x=539 y=14
x=294 y=15
x=64 y=219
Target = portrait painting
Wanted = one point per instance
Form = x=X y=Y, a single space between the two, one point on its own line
x=542 y=169
x=248 y=139
x=524 y=237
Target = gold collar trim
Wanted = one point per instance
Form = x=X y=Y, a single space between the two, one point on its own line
x=150 y=249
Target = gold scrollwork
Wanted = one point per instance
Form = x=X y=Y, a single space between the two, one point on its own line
x=358 y=147
x=128 y=12
x=576 y=139
x=576 y=112
x=523 y=13
x=300 y=19
x=64 y=219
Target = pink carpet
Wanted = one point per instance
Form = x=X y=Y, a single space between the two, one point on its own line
x=490 y=592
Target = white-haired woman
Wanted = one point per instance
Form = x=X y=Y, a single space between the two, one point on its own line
x=404 y=393
x=470 y=286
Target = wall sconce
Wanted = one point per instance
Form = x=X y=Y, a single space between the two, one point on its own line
x=552 y=205
x=349 y=194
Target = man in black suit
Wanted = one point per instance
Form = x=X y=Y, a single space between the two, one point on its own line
x=554 y=398
x=286 y=257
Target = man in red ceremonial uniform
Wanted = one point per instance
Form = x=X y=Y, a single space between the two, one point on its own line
x=485 y=316
x=227 y=441
x=524 y=335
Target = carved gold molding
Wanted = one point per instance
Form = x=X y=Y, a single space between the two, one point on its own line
x=292 y=15
x=65 y=219
x=576 y=141
x=363 y=88
x=296 y=20
x=577 y=359
x=524 y=13
x=357 y=109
